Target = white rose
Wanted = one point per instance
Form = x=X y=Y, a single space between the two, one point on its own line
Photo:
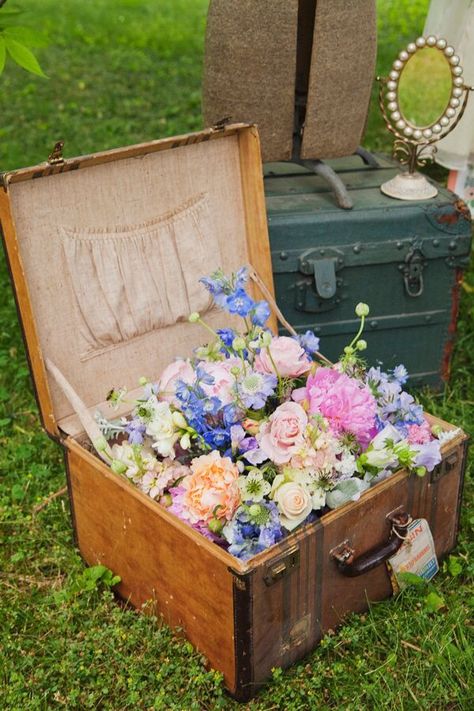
x=294 y=504
x=162 y=430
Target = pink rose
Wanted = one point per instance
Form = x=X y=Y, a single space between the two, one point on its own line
x=283 y=433
x=289 y=358
x=224 y=381
x=178 y=370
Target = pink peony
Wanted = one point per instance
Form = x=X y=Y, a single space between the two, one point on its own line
x=178 y=370
x=289 y=358
x=419 y=434
x=283 y=433
x=212 y=489
x=224 y=381
x=348 y=405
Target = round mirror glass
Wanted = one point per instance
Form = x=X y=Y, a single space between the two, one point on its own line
x=424 y=87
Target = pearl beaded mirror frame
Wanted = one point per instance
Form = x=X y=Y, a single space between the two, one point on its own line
x=414 y=144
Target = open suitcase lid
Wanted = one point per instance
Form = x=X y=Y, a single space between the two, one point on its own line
x=106 y=252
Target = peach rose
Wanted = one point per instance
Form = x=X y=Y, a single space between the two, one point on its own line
x=178 y=370
x=213 y=483
x=283 y=433
x=294 y=504
x=289 y=358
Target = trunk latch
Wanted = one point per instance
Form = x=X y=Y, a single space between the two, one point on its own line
x=282 y=566
x=412 y=270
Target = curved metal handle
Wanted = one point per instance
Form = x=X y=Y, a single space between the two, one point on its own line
x=351 y=566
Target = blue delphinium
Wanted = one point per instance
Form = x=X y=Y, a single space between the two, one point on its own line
x=260 y=313
x=309 y=342
x=395 y=405
x=253 y=528
x=227 y=336
x=240 y=303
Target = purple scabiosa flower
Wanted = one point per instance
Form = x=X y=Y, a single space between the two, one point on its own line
x=309 y=342
x=255 y=388
x=260 y=313
x=136 y=431
x=240 y=303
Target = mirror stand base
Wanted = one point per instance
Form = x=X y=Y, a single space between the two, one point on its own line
x=409 y=186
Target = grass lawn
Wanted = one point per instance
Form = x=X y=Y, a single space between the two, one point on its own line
x=124 y=71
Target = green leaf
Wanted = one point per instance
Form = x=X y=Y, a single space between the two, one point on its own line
x=411 y=579
x=23 y=56
x=434 y=602
x=454 y=566
x=3 y=53
x=18 y=492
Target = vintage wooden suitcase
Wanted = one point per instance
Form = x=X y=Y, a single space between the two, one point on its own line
x=405 y=259
x=246 y=618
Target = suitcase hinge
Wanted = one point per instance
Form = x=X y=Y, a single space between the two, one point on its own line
x=56 y=156
x=221 y=124
x=444 y=467
x=412 y=270
x=283 y=566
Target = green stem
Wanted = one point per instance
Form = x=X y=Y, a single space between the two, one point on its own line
x=359 y=333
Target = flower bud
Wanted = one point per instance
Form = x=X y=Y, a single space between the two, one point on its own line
x=266 y=339
x=118 y=467
x=420 y=471
x=235 y=370
x=100 y=444
x=348 y=350
x=194 y=317
x=254 y=509
x=238 y=344
x=215 y=526
x=185 y=441
x=166 y=500
x=178 y=420
x=362 y=309
x=361 y=345
x=142 y=381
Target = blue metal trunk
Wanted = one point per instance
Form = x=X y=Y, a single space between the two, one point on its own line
x=405 y=259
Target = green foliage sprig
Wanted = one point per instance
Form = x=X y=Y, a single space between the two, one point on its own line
x=14 y=41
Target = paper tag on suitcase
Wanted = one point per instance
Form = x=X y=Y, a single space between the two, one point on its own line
x=417 y=555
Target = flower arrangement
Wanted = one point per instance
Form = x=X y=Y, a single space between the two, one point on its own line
x=256 y=434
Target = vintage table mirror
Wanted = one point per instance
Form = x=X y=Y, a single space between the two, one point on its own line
x=422 y=100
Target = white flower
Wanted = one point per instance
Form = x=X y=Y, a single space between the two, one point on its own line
x=380 y=458
x=253 y=487
x=162 y=430
x=291 y=491
x=389 y=432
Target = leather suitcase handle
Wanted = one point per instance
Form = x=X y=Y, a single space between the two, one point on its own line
x=349 y=565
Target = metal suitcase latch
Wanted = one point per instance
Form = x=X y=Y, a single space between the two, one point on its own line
x=445 y=467
x=325 y=277
x=283 y=566
x=412 y=271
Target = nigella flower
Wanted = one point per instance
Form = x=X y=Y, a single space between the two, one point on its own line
x=260 y=313
x=252 y=529
x=240 y=303
x=309 y=342
x=255 y=388
x=135 y=430
x=253 y=486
